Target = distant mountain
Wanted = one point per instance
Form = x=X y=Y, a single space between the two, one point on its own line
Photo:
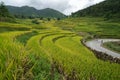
x=30 y=11
x=50 y=13
x=107 y=8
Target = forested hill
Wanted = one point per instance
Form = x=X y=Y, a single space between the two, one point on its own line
x=30 y=11
x=107 y=8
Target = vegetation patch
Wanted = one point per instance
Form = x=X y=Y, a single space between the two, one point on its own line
x=4 y=29
x=115 y=46
x=25 y=37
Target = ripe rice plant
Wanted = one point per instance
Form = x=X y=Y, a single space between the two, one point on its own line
x=52 y=53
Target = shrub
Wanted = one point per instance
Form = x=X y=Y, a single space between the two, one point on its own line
x=35 y=21
x=48 y=19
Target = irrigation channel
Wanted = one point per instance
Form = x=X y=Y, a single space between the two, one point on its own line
x=96 y=44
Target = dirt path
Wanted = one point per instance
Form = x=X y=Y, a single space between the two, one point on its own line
x=96 y=44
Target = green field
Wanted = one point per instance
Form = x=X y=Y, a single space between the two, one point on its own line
x=52 y=50
x=98 y=27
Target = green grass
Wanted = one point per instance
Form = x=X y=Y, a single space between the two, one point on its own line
x=115 y=46
x=52 y=50
x=25 y=37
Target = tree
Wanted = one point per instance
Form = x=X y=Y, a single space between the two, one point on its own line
x=3 y=10
x=30 y=17
x=4 y=14
x=23 y=17
x=48 y=19
x=35 y=21
x=41 y=18
x=58 y=19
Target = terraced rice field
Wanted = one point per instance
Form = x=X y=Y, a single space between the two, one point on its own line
x=50 y=54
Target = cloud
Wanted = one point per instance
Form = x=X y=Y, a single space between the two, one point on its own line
x=64 y=6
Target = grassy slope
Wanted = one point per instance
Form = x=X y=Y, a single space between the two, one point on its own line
x=115 y=46
x=52 y=49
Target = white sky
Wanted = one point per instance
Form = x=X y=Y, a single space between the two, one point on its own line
x=64 y=6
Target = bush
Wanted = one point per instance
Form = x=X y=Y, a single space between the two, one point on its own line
x=58 y=19
x=48 y=19
x=35 y=21
x=41 y=18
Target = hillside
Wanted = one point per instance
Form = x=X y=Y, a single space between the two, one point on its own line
x=50 y=13
x=107 y=8
x=30 y=11
x=31 y=51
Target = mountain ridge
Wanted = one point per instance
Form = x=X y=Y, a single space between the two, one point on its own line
x=33 y=12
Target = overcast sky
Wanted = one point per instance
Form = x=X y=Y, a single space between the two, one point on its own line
x=64 y=6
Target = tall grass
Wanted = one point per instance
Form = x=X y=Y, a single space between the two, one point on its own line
x=13 y=58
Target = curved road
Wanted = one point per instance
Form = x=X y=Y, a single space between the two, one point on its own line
x=96 y=44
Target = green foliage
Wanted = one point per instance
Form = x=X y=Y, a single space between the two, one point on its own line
x=25 y=37
x=3 y=10
x=35 y=21
x=58 y=18
x=41 y=18
x=4 y=14
x=48 y=19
